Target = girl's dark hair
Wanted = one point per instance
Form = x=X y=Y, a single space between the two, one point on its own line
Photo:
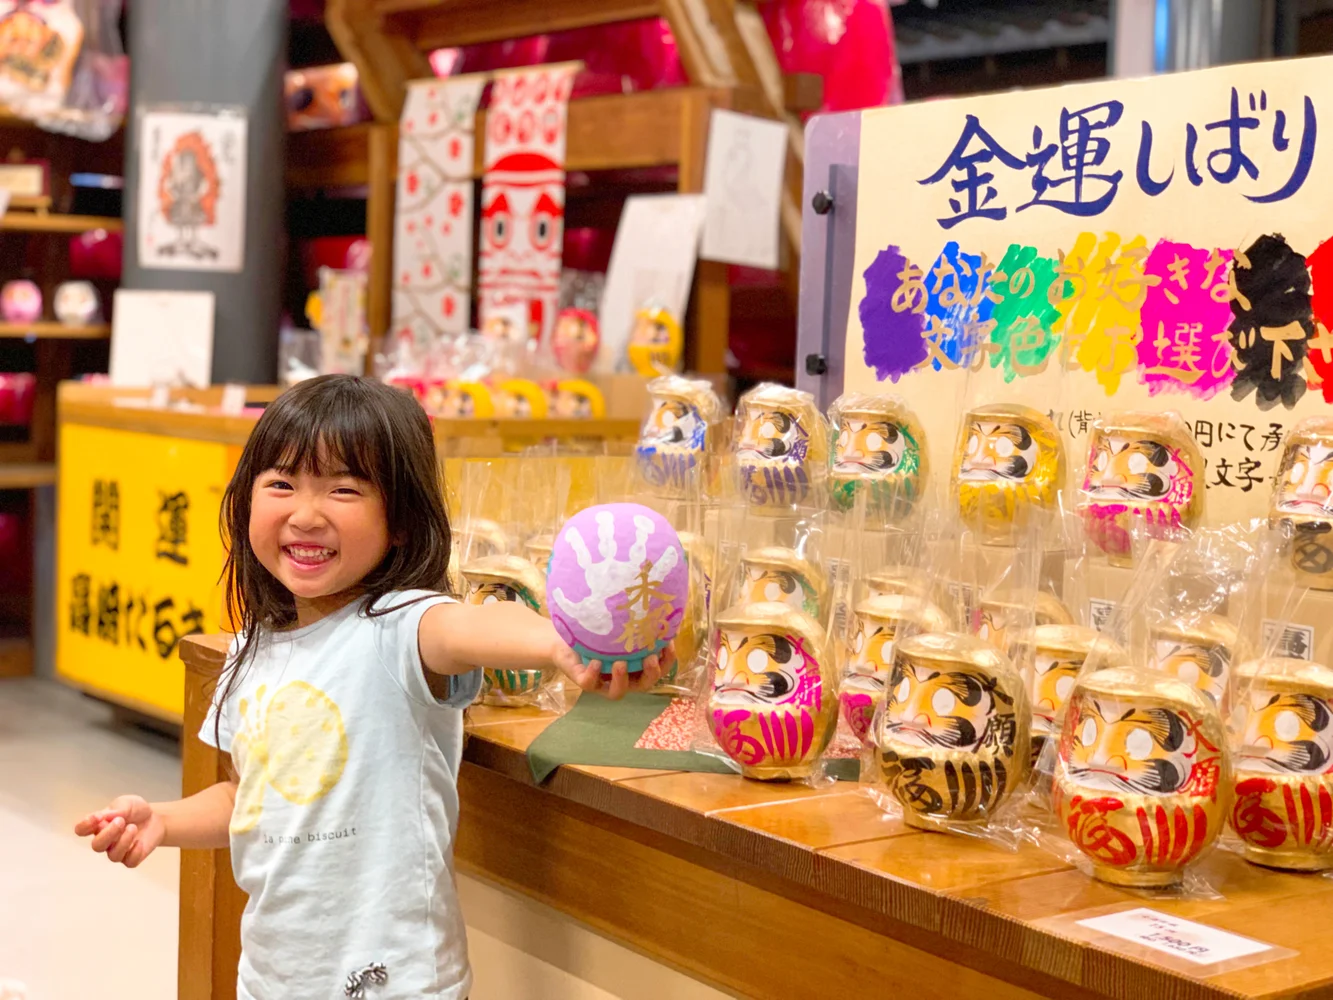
x=326 y=424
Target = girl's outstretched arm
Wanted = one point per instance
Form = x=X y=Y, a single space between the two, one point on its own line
x=507 y=635
x=131 y=828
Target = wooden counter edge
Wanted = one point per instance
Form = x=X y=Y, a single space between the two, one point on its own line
x=992 y=943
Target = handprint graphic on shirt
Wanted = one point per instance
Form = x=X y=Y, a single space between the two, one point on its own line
x=611 y=577
x=293 y=742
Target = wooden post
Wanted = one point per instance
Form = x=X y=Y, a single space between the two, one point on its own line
x=211 y=903
x=383 y=155
x=709 y=323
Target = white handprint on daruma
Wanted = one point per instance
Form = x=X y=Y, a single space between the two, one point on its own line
x=617 y=584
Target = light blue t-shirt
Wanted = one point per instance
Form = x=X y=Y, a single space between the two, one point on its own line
x=345 y=817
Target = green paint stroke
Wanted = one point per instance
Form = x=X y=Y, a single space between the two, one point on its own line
x=1024 y=316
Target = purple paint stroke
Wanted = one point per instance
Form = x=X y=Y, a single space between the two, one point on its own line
x=892 y=341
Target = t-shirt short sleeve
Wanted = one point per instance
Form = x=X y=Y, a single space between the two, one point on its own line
x=401 y=653
x=218 y=729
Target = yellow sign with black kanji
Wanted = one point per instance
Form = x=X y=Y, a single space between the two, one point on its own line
x=138 y=561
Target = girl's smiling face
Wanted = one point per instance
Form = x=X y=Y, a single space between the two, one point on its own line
x=319 y=535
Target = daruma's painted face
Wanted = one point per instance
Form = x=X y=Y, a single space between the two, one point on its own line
x=868 y=446
x=871 y=662
x=771 y=434
x=1123 y=748
x=1053 y=680
x=671 y=423
x=1202 y=666
x=763 y=584
x=949 y=710
x=998 y=451
x=1131 y=468
x=764 y=669
x=494 y=591
x=1286 y=733
x=1305 y=480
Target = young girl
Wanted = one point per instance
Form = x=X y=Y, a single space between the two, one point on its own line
x=342 y=705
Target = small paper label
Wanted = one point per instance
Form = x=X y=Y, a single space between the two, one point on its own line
x=1100 y=612
x=233 y=399
x=1185 y=939
x=1297 y=641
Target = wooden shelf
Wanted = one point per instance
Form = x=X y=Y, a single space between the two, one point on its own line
x=56 y=331
x=330 y=157
x=35 y=222
x=26 y=475
x=15 y=657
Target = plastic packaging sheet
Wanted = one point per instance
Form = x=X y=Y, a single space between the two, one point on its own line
x=1134 y=781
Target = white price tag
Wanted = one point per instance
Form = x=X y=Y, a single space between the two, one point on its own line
x=1185 y=939
x=233 y=399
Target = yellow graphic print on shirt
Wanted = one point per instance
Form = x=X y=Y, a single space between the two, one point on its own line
x=293 y=742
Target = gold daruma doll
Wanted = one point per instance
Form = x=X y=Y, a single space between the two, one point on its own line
x=1283 y=810
x=1141 y=467
x=1142 y=785
x=879 y=446
x=678 y=437
x=694 y=626
x=1005 y=611
x=1200 y=653
x=782 y=575
x=878 y=622
x=953 y=738
x=1303 y=500
x=1008 y=457
x=507 y=578
x=772 y=707
x=781 y=447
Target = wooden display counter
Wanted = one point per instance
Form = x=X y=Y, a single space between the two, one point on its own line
x=783 y=891
x=138 y=551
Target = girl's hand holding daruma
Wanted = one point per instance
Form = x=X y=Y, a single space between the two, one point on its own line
x=127 y=831
x=619 y=682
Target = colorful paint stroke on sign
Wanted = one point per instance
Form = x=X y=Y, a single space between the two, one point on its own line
x=1122 y=245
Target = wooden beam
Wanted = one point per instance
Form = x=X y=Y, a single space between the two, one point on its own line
x=708 y=328
x=802 y=92
x=329 y=158
x=384 y=60
x=382 y=181
x=467 y=22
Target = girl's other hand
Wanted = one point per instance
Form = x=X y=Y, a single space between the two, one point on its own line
x=127 y=831
x=619 y=682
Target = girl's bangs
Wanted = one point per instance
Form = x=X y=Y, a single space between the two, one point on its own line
x=342 y=440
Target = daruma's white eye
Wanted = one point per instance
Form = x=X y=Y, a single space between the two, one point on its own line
x=1138 y=463
x=973 y=444
x=1063 y=686
x=772 y=592
x=490 y=599
x=901 y=692
x=1297 y=474
x=943 y=702
x=844 y=439
x=723 y=657
x=669 y=419
x=858 y=641
x=874 y=441
x=1138 y=744
x=1005 y=448
x=1089 y=734
x=1100 y=461
x=1287 y=725
x=757 y=661
x=767 y=429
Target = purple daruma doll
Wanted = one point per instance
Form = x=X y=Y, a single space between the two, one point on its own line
x=617 y=584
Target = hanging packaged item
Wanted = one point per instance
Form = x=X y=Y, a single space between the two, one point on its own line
x=680 y=436
x=879 y=447
x=781 y=448
x=39 y=45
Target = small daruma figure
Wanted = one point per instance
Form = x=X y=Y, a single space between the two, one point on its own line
x=879 y=446
x=772 y=707
x=953 y=738
x=656 y=343
x=1009 y=458
x=466 y=399
x=781 y=447
x=1005 y=611
x=1141 y=467
x=519 y=398
x=1058 y=653
x=575 y=340
x=1303 y=500
x=507 y=578
x=878 y=622
x=1200 y=653
x=578 y=399
x=1284 y=767
x=1142 y=785
x=678 y=437
x=785 y=576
